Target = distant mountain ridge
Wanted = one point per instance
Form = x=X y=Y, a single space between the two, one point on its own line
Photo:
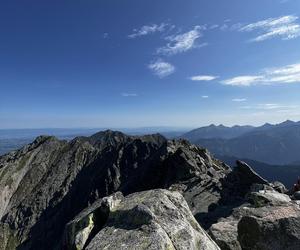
x=286 y=174
x=273 y=144
x=220 y=131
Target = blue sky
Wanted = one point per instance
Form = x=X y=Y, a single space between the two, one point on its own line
x=135 y=63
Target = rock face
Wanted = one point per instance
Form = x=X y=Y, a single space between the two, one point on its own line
x=46 y=184
x=88 y=222
x=113 y=191
x=225 y=234
x=156 y=219
x=267 y=197
x=271 y=228
x=266 y=220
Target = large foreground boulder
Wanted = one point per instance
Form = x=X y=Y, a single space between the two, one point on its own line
x=87 y=223
x=155 y=219
x=259 y=197
x=271 y=228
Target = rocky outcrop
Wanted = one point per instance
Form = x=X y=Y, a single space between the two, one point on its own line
x=156 y=219
x=271 y=228
x=266 y=220
x=87 y=223
x=46 y=184
x=267 y=197
x=105 y=191
x=279 y=187
x=225 y=234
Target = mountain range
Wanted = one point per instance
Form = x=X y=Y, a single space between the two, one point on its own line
x=283 y=173
x=273 y=144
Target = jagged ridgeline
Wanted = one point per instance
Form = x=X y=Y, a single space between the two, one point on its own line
x=113 y=191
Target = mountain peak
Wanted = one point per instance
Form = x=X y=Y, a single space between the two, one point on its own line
x=287 y=122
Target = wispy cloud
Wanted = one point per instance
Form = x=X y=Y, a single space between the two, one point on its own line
x=239 y=99
x=282 y=75
x=129 y=94
x=203 y=78
x=271 y=106
x=287 y=74
x=182 y=42
x=242 y=80
x=205 y=96
x=161 y=68
x=148 y=29
x=105 y=35
x=285 y=27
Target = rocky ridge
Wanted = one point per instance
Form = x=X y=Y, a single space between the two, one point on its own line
x=76 y=195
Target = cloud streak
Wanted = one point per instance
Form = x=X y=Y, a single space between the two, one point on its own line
x=285 y=27
x=148 y=29
x=282 y=75
x=161 y=68
x=242 y=80
x=182 y=42
x=203 y=78
x=129 y=94
x=271 y=106
x=239 y=99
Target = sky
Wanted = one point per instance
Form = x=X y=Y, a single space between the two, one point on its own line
x=138 y=63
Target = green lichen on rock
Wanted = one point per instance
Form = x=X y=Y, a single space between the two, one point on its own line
x=9 y=182
x=154 y=219
x=3 y=172
x=23 y=162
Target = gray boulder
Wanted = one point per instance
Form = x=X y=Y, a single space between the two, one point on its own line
x=268 y=197
x=271 y=228
x=225 y=231
x=155 y=219
x=225 y=234
x=83 y=227
x=296 y=195
x=279 y=187
x=248 y=175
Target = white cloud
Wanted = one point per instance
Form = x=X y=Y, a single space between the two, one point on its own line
x=148 y=29
x=271 y=106
x=281 y=75
x=214 y=26
x=224 y=27
x=285 y=27
x=182 y=42
x=205 y=96
x=161 y=68
x=286 y=74
x=239 y=99
x=203 y=78
x=129 y=94
x=242 y=80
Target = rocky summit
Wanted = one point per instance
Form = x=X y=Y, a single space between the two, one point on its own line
x=114 y=191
